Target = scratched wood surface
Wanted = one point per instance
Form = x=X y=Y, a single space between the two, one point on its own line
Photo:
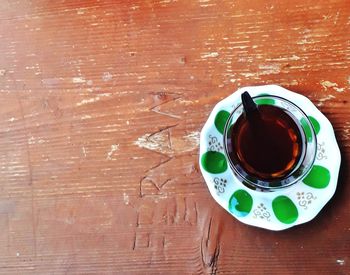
x=101 y=105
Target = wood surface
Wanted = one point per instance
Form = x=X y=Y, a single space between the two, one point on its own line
x=101 y=105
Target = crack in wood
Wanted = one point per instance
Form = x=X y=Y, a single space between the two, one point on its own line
x=165 y=114
x=141 y=240
x=157 y=186
x=163 y=242
x=140 y=186
x=159 y=164
x=164 y=183
x=196 y=211
x=202 y=254
x=175 y=218
x=163 y=129
x=138 y=219
x=215 y=259
x=212 y=264
x=154 y=184
x=208 y=234
x=134 y=243
x=156 y=108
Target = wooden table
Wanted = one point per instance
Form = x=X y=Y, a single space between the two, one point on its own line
x=102 y=103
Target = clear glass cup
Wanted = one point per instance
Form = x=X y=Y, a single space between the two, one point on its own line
x=307 y=154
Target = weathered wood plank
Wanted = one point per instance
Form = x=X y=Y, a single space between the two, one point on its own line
x=102 y=103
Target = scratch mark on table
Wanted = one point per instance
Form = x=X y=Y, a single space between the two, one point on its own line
x=159 y=141
x=88 y=101
x=114 y=147
x=78 y=80
x=214 y=259
x=209 y=54
x=208 y=232
x=328 y=84
x=107 y=76
x=134 y=242
x=324 y=99
x=84 y=151
x=159 y=164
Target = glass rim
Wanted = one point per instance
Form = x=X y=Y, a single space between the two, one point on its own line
x=292 y=177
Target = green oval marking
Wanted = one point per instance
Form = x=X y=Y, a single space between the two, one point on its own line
x=240 y=203
x=307 y=129
x=284 y=209
x=220 y=120
x=315 y=124
x=214 y=162
x=318 y=177
x=265 y=101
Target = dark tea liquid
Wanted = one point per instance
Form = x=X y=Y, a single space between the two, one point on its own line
x=267 y=145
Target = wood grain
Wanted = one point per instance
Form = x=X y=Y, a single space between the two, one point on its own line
x=101 y=107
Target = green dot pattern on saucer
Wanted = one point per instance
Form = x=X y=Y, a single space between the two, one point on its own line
x=315 y=124
x=265 y=101
x=220 y=120
x=240 y=203
x=214 y=162
x=319 y=177
x=285 y=210
x=307 y=129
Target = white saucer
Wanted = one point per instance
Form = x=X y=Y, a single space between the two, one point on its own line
x=280 y=209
